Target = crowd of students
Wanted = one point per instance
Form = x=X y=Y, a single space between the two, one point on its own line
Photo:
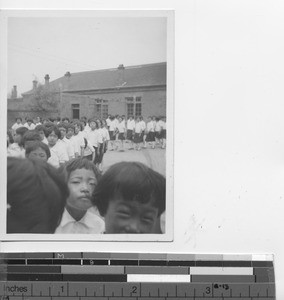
x=55 y=182
x=67 y=139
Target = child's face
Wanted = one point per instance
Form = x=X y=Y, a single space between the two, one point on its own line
x=93 y=125
x=77 y=129
x=52 y=139
x=124 y=216
x=38 y=153
x=70 y=132
x=41 y=133
x=81 y=184
x=63 y=132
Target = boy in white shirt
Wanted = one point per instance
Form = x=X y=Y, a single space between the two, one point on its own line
x=121 y=133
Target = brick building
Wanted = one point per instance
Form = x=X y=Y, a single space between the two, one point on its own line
x=134 y=90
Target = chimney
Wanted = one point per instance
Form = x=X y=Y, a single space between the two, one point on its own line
x=46 y=78
x=14 y=92
x=121 y=80
x=67 y=74
x=34 y=84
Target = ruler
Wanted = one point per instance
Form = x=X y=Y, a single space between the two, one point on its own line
x=130 y=276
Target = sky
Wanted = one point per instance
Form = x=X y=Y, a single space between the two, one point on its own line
x=55 y=45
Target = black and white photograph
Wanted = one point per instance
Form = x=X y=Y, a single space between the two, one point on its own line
x=89 y=125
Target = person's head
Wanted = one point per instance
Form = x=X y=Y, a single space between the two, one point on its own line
x=18 y=138
x=137 y=119
x=119 y=119
x=149 y=119
x=82 y=177
x=99 y=123
x=77 y=127
x=41 y=129
x=45 y=121
x=131 y=197
x=37 y=150
x=36 y=196
x=37 y=120
x=104 y=124
x=130 y=117
x=70 y=130
x=18 y=120
x=30 y=135
x=52 y=135
x=141 y=118
x=63 y=129
x=66 y=120
x=29 y=121
x=93 y=124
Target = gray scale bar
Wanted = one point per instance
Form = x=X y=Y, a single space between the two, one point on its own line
x=223 y=278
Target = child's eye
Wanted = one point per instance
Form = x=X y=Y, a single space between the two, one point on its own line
x=148 y=220
x=123 y=214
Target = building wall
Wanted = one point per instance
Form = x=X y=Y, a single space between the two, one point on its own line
x=153 y=103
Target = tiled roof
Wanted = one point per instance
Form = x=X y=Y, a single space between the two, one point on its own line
x=132 y=76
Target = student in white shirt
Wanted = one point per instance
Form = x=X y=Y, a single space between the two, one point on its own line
x=30 y=125
x=17 y=125
x=17 y=148
x=65 y=142
x=138 y=135
x=80 y=216
x=95 y=139
x=58 y=153
x=105 y=137
x=121 y=133
x=112 y=130
x=72 y=139
x=158 y=131
x=130 y=131
x=143 y=125
x=41 y=129
x=150 y=138
x=79 y=137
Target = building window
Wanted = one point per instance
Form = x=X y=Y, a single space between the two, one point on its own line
x=101 y=108
x=105 y=111
x=75 y=111
x=133 y=106
x=130 y=109
x=138 y=109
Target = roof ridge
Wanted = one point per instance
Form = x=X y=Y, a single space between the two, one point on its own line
x=113 y=69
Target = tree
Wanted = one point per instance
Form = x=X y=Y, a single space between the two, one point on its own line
x=45 y=98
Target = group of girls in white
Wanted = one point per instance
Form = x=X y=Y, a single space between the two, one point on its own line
x=136 y=132
x=64 y=139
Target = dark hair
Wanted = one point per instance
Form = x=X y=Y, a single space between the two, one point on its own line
x=62 y=125
x=29 y=120
x=36 y=196
x=33 y=145
x=18 y=118
x=79 y=163
x=30 y=135
x=54 y=128
x=40 y=127
x=78 y=123
x=133 y=181
x=21 y=131
x=70 y=126
x=65 y=119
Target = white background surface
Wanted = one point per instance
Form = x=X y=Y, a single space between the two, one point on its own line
x=229 y=129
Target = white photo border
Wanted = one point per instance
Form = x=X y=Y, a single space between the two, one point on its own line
x=169 y=226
